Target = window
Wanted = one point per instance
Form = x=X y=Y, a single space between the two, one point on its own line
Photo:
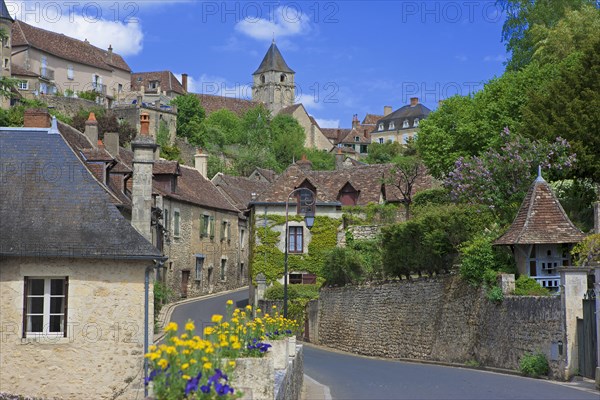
x=380 y=127
x=210 y=271
x=363 y=149
x=404 y=139
x=357 y=138
x=120 y=88
x=242 y=271
x=380 y=140
x=70 y=73
x=242 y=238
x=176 y=223
x=199 y=265
x=5 y=41
x=166 y=219
x=225 y=231
x=24 y=85
x=405 y=124
x=416 y=122
x=295 y=240
x=262 y=79
x=223 y=268
x=6 y=63
x=153 y=85
x=392 y=125
x=282 y=78
x=45 y=307
x=204 y=225
x=211 y=227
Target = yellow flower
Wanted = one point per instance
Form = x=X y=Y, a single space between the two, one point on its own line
x=249 y=307
x=229 y=302
x=163 y=363
x=186 y=352
x=232 y=364
x=184 y=336
x=208 y=330
x=152 y=347
x=189 y=326
x=216 y=318
x=236 y=345
x=258 y=310
x=171 y=327
x=207 y=365
x=274 y=307
x=186 y=377
x=185 y=366
x=193 y=361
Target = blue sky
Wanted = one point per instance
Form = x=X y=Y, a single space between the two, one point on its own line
x=350 y=57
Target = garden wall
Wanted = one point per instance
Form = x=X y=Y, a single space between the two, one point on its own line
x=440 y=319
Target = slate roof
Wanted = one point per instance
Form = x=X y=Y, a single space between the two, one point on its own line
x=273 y=61
x=166 y=79
x=212 y=103
x=370 y=180
x=65 y=47
x=66 y=213
x=541 y=220
x=4 y=12
x=17 y=70
x=239 y=189
x=407 y=112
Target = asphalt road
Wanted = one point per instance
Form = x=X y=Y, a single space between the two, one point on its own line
x=352 y=377
x=201 y=311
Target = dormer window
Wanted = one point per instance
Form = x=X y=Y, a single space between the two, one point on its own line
x=416 y=123
x=380 y=127
x=405 y=124
x=392 y=126
x=153 y=85
x=282 y=78
x=357 y=138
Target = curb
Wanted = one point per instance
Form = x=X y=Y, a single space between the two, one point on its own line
x=165 y=313
x=311 y=386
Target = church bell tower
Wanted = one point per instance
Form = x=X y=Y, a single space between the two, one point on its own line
x=274 y=81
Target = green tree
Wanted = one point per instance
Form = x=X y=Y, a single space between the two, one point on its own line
x=287 y=139
x=408 y=171
x=382 y=153
x=190 y=115
x=321 y=160
x=228 y=124
x=255 y=126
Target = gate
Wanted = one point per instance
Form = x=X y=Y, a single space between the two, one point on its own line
x=586 y=336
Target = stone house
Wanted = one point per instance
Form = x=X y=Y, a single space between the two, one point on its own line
x=400 y=125
x=75 y=298
x=541 y=236
x=48 y=63
x=160 y=86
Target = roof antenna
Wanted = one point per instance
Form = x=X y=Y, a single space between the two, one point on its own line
x=273 y=37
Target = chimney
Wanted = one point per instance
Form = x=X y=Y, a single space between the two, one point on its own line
x=91 y=129
x=339 y=159
x=387 y=110
x=304 y=163
x=355 y=122
x=184 y=81
x=201 y=163
x=111 y=142
x=141 y=193
x=36 y=118
x=110 y=53
x=414 y=101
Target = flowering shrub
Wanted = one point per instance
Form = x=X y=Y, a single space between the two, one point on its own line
x=190 y=367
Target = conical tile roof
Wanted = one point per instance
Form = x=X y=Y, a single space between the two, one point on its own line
x=541 y=220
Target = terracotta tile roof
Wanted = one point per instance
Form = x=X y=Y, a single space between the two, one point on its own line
x=371 y=119
x=353 y=133
x=335 y=134
x=212 y=103
x=239 y=189
x=97 y=154
x=65 y=47
x=372 y=181
x=70 y=216
x=17 y=70
x=165 y=167
x=541 y=220
x=165 y=79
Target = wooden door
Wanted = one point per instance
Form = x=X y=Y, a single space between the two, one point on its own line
x=185 y=278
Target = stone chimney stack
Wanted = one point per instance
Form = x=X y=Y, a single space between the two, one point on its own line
x=111 y=142
x=91 y=129
x=141 y=193
x=36 y=118
x=201 y=163
x=414 y=101
x=110 y=53
x=387 y=110
x=304 y=163
x=184 y=82
x=355 y=121
x=339 y=159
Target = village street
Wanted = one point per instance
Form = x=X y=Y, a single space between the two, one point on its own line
x=355 y=377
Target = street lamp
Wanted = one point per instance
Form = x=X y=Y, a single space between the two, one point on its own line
x=307 y=206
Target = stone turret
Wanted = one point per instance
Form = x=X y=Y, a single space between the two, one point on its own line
x=141 y=194
x=274 y=81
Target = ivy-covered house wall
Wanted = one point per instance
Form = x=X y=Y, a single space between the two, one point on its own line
x=268 y=250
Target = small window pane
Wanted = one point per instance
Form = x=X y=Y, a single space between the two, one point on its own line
x=35 y=305
x=35 y=323
x=57 y=287
x=56 y=323
x=36 y=287
x=57 y=305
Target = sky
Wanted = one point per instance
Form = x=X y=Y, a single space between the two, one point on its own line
x=350 y=57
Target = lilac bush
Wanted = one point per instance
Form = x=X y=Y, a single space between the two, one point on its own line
x=500 y=178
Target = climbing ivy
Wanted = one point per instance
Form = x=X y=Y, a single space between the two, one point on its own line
x=269 y=260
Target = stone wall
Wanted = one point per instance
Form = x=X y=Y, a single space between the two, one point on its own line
x=68 y=105
x=441 y=319
x=288 y=385
x=359 y=232
x=102 y=354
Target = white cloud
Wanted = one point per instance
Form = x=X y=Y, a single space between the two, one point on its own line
x=126 y=37
x=498 y=58
x=282 y=21
x=309 y=101
x=328 y=123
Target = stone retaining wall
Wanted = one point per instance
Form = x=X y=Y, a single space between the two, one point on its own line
x=441 y=319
